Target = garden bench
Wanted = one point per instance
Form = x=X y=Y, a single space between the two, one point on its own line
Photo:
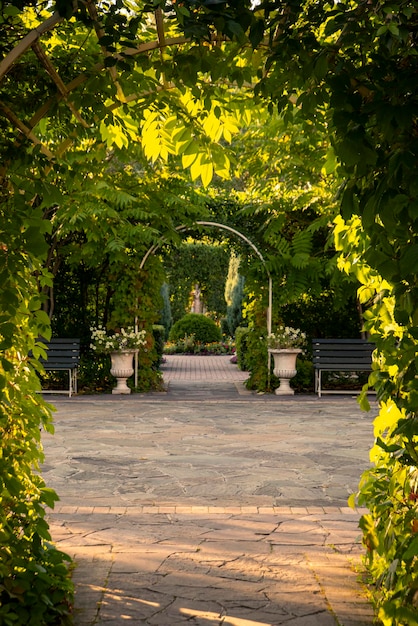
x=340 y=355
x=63 y=355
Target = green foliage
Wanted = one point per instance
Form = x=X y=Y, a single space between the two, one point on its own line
x=363 y=60
x=149 y=378
x=347 y=69
x=94 y=374
x=391 y=528
x=388 y=488
x=166 y=318
x=158 y=331
x=256 y=359
x=253 y=353
x=234 y=295
x=241 y=337
x=73 y=290
x=35 y=587
x=185 y=345
x=201 y=327
x=188 y=345
x=285 y=204
x=234 y=310
x=332 y=313
x=232 y=277
x=200 y=263
x=224 y=327
x=304 y=379
x=128 y=294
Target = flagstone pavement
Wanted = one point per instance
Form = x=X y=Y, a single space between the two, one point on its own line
x=210 y=505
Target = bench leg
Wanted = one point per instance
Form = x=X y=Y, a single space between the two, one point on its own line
x=73 y=382
x=318 y=382
x=70 y=376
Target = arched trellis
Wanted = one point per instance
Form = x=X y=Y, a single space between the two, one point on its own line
x=182 y=228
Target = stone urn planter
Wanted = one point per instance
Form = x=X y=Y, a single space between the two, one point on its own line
x=122 y=368
x=285 y=368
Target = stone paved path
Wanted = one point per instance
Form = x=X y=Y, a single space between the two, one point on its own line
x=207 y=369
x=210 y=506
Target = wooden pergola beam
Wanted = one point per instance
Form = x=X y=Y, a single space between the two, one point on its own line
x=40 y=53
x=27 y=42
x=25 y=130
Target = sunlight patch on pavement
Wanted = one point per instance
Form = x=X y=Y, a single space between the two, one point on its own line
x=226 y=619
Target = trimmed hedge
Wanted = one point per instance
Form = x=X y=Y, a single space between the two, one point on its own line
x=202 y=328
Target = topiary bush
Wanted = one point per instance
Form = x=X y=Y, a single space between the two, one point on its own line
x=202 y=328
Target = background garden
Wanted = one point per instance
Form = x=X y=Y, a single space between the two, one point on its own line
x=219 y=321
x=122 y=122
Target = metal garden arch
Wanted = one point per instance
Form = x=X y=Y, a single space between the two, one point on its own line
x=182 y=228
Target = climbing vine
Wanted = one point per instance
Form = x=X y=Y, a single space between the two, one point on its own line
x=35 y=587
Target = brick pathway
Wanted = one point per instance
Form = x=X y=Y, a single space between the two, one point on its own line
x=201 y=368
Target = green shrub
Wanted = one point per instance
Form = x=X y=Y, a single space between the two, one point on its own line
x=304 y=379
x=187 y=345
x=241 y=336
x=224 y=327
x=159 y=333
x=256 y=359
x=252 y=356
x=35 y=584
x=203 y=328
x=94 y=371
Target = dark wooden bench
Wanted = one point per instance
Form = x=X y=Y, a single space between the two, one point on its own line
x=340 y=355
x=62 y=355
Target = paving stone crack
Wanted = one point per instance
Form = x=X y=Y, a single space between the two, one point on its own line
x=322 y=588
x=105 y=589
x=204 y=529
